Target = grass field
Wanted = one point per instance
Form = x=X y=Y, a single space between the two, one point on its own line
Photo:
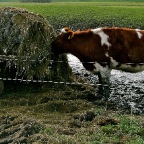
x=97 y=0
x=9 y=0
x=61 y=108
x=89 y=15
x=81 y=0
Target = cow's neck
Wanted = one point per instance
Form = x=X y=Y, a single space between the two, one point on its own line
x=81 y=52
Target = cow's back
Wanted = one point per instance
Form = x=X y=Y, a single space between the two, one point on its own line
x=127 y=45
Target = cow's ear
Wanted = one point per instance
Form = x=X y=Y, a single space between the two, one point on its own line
x=70 y=35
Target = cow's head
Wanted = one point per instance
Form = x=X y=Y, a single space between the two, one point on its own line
x=62 y=42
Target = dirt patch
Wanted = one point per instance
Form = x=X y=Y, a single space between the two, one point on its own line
x=17 y=129
x=62 y=114
x=108 y=121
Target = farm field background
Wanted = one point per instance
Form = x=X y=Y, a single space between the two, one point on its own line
x=81 y=0
x=64 y=109
x=88 y=15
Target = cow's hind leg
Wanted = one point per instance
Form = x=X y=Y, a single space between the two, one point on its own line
x=104 y=87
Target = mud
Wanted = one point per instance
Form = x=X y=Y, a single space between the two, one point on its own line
x=14 y=129
x=126 y=89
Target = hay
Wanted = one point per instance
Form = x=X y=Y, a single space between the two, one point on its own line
x=1 y=87
x=25 y=39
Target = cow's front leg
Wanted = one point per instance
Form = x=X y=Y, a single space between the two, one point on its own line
x=104 y=80
x=103 y=88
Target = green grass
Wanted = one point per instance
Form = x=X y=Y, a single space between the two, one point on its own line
x=97 y=0
x=82 y=0
x=89 y=15
x=60 y=108
x=9 y=0
x=56 y=106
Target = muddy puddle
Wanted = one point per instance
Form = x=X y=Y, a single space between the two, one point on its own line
x=127 y=89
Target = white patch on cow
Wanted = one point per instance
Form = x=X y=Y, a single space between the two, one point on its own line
x=139 y=34
x=104 y=71
x=104 y=37
x=107 y=55
x=125 y=67
x=5 y=50
x=130 y=68
x=96 y=31
x=114 y=63
x=63 y=31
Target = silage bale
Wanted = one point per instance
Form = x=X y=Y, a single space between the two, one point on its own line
x=25 y=46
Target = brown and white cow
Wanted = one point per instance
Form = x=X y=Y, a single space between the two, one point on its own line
x=106 y=48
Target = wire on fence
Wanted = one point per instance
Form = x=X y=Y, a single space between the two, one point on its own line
x=45 y=81
x=24 y=59
x=12 y=58
x=15 y=58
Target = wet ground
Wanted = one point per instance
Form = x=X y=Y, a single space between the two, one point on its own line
x=57 y=113
x=127 y=89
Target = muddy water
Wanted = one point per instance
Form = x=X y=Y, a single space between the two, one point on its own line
x=127 y=89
